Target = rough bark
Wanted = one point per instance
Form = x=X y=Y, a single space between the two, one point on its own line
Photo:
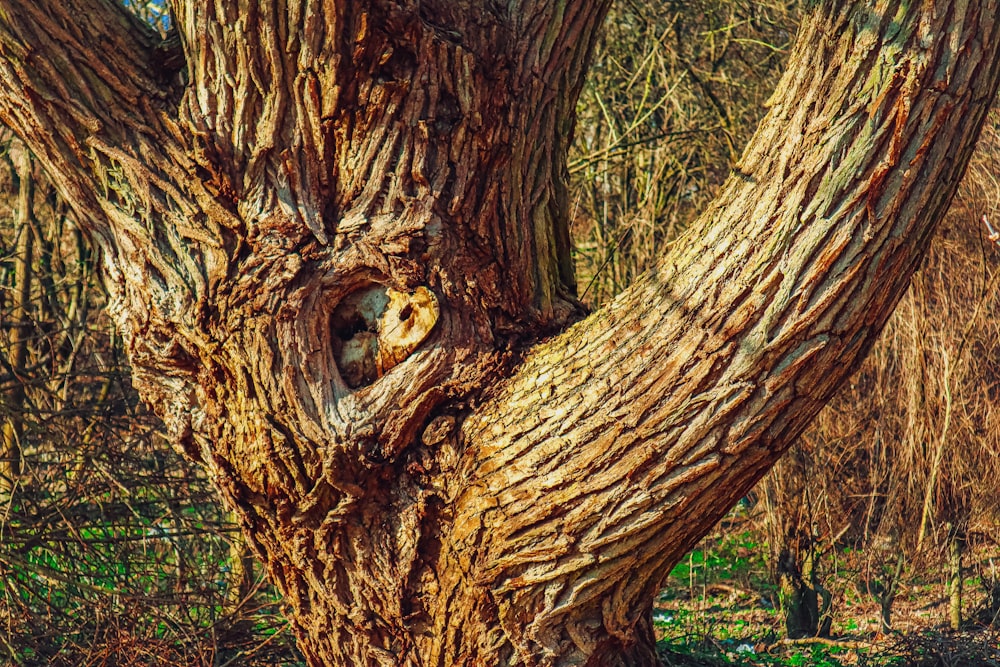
x=335 y=236
x=956 y=548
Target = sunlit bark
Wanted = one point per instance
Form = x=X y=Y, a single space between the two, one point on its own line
x=335 y=238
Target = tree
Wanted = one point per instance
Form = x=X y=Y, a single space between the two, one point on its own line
x=335 y=236
x=12 y=433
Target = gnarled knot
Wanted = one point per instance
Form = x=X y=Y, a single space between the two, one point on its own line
x=376 y=328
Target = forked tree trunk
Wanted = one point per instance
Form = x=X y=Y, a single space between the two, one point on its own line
x=335 y=239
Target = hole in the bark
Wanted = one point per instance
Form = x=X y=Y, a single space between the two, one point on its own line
x=397 y=64
x=376 y=328
x=448 y=113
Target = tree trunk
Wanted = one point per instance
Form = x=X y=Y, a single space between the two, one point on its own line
x=336 y=235
x=799 y=602
x=16 y=354
x=805 y=603
x=956 y=547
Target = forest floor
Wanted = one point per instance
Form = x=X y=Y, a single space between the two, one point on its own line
x=720 y=607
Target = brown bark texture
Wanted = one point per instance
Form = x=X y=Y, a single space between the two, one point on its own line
x=16 y=354
x=335 y=236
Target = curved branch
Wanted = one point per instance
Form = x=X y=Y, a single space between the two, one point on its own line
x=623 y=440
x=76 y=74
x=83 y=89
x=553 y=43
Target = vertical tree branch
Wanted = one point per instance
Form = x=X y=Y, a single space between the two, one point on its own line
x=12 y=434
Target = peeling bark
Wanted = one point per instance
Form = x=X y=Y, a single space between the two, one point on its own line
x=474 y=487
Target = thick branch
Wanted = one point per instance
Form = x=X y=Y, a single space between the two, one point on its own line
x=620 y=442
x=83 y=88
x=77 y=77
x=553 y=42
